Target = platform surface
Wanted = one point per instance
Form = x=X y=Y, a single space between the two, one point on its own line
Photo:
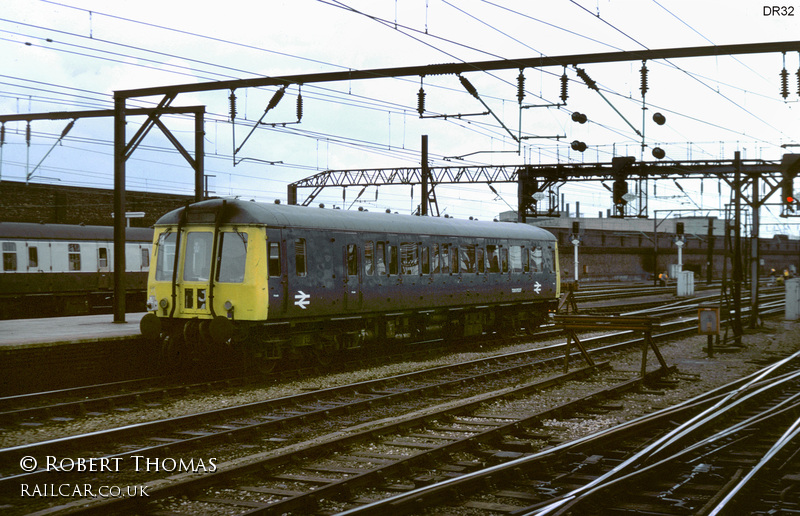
x=22 y=333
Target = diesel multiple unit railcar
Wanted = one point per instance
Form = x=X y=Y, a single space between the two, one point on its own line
x=279 y=280
x=62 y=269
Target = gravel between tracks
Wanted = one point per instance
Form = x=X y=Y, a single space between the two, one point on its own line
x=699 y=373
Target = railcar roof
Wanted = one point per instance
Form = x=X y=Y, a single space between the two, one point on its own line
x=287 y=216
x=73 y=232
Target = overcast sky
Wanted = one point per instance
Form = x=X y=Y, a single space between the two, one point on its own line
x=73 y=55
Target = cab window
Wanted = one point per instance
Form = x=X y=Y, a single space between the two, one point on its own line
x=165 y=260
x=232 y=257
x=197 y=257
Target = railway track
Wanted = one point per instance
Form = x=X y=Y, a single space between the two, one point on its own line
x=731 y=451
x=37 y=409
x=280 y=423
x=290 y=420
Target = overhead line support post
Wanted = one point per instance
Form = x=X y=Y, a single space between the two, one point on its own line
x=119 y=209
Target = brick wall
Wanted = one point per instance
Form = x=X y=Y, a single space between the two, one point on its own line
x=55 y=204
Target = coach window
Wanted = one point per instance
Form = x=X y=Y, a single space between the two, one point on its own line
x=409 y=261
x=454 y=260
x=352 y=260
x=547 y=260
x=33 y=256
x=102 y=257
x=536 y=259
x=274 y=259
x=436 y=268
x=369 y=258
x=493 y=257
x=526 y=262
x=504 y=258
x=515 y=258
x=392 y=259
x=480 y=259
x=74 y=257
x=145 y=257
x=426 y=260
x=380 y=258
x=468 y=258
x=9 y=256
x=232 y=257
x=300 y=266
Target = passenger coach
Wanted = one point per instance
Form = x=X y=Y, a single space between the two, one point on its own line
x=65 y=269
x=280 y=281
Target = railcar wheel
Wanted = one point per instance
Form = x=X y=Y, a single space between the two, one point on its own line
x=172 y=353
x=324 y=354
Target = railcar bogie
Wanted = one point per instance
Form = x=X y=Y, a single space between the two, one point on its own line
x=281 y=282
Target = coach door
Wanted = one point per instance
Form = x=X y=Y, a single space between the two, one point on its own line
x=352 y=275
x=277 y=279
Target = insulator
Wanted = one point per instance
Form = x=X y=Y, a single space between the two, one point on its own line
x=520 y=87
x=2 y=134
x=588 y=80
x=564 y=81
x=468 y=86
x=643 y=71
x=28 y=134
x=299 y=106
x=784 y=83
x=798 y=81
x=421 y=101
x=275 y=99
x=232 y=100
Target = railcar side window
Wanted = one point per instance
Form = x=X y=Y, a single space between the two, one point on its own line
x=352 y=260
x=436 y=267
x=392 y=259
x=165 y=259
x=232 y=257
x=454 y=260
x=548 y=260
x=445 y=258
x=9 y=256
x=426 y=260
x=515 y=257
x=369 y=258
x=408 y=258
x=102 y=257
x=493 y=257
x=526 y=263
x=33 y=256
x=481 y=260
x=380 y=254
x=300 y=265
x=504 y=258
x=74 y=257
x=145 y=257
x=536 y=259
x=274 y=263
x=468 y=258
x=197 y=259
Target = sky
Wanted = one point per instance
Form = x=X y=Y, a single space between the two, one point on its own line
x=73 y=55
